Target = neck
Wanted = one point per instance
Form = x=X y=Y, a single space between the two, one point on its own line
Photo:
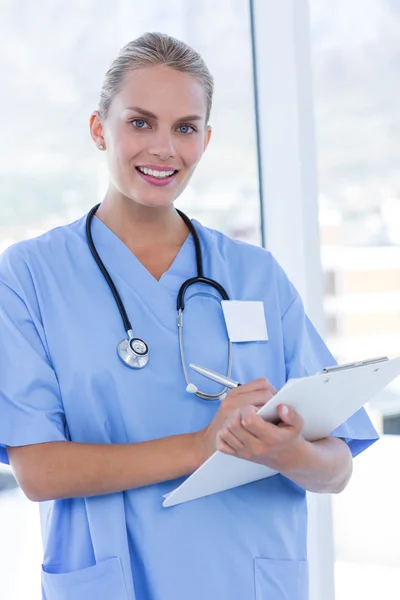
x=141 y=226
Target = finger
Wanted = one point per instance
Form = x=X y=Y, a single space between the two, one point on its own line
x=226 y=436
x=233 y=415
x=225 y=448
x=247 y=415
x=235 y=427
x=258 y=399
x=290 y=417
x=255 y=425
x=256 y=385
x=247 y=412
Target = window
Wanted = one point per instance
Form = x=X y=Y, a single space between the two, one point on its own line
x=53 y=61
x=356 y=48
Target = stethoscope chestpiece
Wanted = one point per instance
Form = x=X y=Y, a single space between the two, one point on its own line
x=133 y=352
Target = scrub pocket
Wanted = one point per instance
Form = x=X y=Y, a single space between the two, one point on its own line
x=104 y=581
x=281 y=579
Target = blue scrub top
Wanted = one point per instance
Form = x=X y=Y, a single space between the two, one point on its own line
x=61 y=379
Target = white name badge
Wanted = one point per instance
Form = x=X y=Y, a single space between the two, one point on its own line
x=245 y=320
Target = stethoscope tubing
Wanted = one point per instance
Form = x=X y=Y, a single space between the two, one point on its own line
x=200 y=278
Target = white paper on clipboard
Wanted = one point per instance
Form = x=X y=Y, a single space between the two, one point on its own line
x=324 y=401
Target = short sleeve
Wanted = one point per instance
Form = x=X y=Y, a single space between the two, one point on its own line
x=31 y=409
x=306 y=354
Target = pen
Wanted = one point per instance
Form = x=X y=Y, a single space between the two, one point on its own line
x=225 y=381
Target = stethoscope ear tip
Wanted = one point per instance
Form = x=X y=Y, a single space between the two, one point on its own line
x=192 y=389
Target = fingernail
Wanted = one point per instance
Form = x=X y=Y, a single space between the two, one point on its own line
x=285 y=410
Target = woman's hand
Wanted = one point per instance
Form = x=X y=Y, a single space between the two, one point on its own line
x=246 y=435
x=323 y=466
x=252 y=395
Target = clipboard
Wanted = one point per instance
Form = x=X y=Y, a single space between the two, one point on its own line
x=324 y=401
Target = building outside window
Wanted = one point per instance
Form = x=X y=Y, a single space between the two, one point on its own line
x=355 y=51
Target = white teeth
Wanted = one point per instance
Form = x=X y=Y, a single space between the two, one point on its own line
x=159 y=174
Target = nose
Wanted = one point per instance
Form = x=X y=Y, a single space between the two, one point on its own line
x=162 y=145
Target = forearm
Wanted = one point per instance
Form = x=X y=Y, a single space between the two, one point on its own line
x=67 y=469
x=324 y=466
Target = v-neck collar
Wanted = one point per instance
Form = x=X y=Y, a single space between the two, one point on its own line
x=159 y=295
x=111 y=239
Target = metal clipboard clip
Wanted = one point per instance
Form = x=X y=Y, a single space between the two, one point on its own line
x=361 y=363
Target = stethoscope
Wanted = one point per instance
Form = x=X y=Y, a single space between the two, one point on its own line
x=133 y=351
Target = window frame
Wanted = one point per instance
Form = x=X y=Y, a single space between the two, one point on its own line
x=284 y=108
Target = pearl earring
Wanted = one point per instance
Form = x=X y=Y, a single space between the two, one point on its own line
x=101 y=147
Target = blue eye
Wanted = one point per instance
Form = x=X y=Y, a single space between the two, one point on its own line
x=186 y=129
x=139 y=123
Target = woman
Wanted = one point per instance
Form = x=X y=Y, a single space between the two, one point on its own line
x=104 y=442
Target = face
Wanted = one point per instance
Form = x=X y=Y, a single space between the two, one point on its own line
x=155 y=134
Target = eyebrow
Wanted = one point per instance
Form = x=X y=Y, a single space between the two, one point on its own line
x=151 y=115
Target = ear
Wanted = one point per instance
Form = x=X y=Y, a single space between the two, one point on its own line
x=207 y=137
x=96 y=128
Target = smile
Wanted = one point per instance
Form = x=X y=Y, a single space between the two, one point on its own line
x=155 y=173
x=157 y=176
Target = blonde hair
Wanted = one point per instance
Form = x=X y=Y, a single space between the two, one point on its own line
x=155 y=49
